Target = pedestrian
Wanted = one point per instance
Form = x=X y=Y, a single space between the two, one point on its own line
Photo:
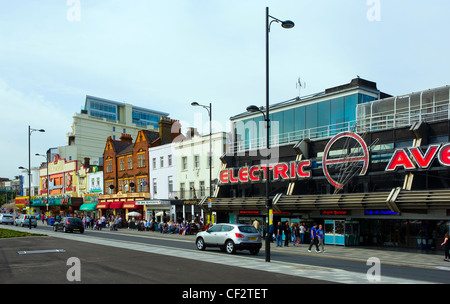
x=313 y=238
x=302 y=233
x=320 y=237
x=296 y=234
x=257 y=225
x=287 y=234
x=446 y=245
x=279 y=235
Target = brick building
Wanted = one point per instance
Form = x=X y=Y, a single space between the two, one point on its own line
x=126 y=168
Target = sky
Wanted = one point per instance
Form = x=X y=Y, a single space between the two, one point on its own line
x=163 y=55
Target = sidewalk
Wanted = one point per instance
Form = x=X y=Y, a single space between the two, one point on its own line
x=403 y=257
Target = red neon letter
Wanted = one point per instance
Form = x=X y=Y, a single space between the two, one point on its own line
x=421 y=160
x=280 y=169
x=444 y=155
x=400 y=158
x=224 y=176
x=300 y=169
x=243 y=175
x=253 y=177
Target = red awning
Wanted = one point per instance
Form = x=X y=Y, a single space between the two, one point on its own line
x=103 y=205
x=131 y=205
x=116 y=205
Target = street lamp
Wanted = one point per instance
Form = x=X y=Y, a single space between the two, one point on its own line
x=209 y=109
x=48 y=180
x=30 y=130
x=285 y=24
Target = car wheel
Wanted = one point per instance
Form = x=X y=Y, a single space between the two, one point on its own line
x=21 y=225
x=82 y=231
x=200 y=244
x=229 y=246
x=65 y=230
x=254 y=251
x=55 y=229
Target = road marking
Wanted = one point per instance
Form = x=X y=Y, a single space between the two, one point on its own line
x=41 y=251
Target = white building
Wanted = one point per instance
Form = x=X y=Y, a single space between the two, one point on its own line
x=162 y=172
x=101 y=118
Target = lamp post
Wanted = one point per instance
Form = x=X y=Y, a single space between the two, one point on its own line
x=285 y=24
x=209 y=109
x=30 y=130
x=48 y=180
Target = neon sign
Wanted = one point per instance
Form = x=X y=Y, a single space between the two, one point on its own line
x=407 y=158
x=416 y=159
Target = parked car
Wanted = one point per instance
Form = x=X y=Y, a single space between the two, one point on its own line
x=69 y=224
x=229 y=238
x=6 y=218
x=24 y=220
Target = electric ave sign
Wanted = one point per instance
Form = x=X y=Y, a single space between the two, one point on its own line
x=358 y=161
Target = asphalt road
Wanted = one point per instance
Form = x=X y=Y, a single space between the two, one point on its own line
x=22 y=263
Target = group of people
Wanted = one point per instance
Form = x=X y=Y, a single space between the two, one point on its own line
x=297 y=233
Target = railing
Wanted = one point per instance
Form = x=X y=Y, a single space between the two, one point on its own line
x=395 y=117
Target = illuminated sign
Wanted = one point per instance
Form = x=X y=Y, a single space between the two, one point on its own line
x=359 y=158
x=282 y=171
x=380 y=212
x=334 y=212
x=416 y=159
x=346 y=160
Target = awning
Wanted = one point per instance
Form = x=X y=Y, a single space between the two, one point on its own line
x=103 y=205
x=88 y=207
x=131 y=205
x=116 y=205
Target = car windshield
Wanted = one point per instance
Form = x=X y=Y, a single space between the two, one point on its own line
x=247 y=229
x=75 y=221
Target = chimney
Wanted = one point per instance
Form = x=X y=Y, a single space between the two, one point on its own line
x=126 y=138
x=165 y=130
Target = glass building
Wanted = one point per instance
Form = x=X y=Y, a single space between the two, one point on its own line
x=315 y=116
x=117 y=111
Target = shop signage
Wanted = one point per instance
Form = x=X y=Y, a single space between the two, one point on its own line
x=380 y=212
x=248 y=212
x=334 y=212
x=407 y=158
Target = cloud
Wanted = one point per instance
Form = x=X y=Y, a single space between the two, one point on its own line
x=20 y=110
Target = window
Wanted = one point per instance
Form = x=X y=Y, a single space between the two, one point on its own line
x=184 y=163
x=196 y=161
x=130 y=163
x=109 y=166
x=122 y=163
x=202 y=188
x=141 y=160
x=169 y=160
x=155 y=186
x=154 y=162
x=161 y=161
x=142 y=184
x=170 y=179
x=181 y=190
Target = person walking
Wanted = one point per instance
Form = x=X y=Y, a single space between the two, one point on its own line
x=279 y=235
x=313 y=238
x=302 y=233
x=287 y=234
x=320 y=237
x=446 y=245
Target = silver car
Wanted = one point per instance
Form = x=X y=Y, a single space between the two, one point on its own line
x=229 y=238
x=6 y=218
x=24 y=220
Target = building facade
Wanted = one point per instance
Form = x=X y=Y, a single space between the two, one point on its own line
x=101 y=118
x=382 y=180
x=126 y=169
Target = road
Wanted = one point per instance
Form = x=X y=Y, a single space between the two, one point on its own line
x=174 y=259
